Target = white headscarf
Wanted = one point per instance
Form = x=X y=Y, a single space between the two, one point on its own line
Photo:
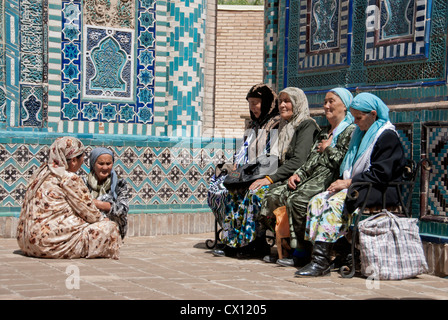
x=300 y=112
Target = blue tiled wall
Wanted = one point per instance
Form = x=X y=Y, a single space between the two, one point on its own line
x=363 y=47
x=131 y=79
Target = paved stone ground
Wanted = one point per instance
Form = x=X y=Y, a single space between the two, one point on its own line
x=182 y=268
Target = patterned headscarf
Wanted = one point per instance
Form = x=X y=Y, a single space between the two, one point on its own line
x=94 y=154
x=300 y=112
x=62 y=149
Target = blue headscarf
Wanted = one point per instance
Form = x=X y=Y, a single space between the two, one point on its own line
x=346 y=98
x=365 y=102
x=94 y=154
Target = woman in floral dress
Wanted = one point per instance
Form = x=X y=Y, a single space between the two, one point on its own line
x=59 y=218
x=376 y=155
x=295 y=139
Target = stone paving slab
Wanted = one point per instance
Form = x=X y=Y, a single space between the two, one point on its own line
x=180 y=267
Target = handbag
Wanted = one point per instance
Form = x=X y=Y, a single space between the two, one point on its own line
x=243 y=176
x=391 y=248
x=281 y=231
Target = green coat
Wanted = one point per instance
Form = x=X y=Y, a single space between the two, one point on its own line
x=316 y=174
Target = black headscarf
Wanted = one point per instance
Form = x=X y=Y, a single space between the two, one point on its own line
x=269 y=104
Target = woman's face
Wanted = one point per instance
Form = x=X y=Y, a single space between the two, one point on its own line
x=255 y=106
x=103 y=167
x=74 y=164
x=363 y=120
x=335 y=109
x=285 y=106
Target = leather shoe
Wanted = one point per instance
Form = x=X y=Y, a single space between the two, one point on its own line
x=218 y=253
x=270 y=259
x=286 y=262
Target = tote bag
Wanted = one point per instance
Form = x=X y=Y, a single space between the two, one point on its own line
x=391 y=248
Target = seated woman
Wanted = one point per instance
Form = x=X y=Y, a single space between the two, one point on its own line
x=314 y=176
x=376 y=155
x=295 y=139
x=265 y=117
x=110 y=192
x=59 y=218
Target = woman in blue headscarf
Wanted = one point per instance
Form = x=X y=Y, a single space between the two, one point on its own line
x=109 y=191
x=314 y=176
x=375 y=155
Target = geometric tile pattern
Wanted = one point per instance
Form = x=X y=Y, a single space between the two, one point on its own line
x=117 y=86
x=271 y=13
x=397 y=29
x=163 y=176
x=387 y=44
x=437 y=139
x=33 y=63
x=2 y=68
x=152 y=85
x=185 y=64
x=323 y=31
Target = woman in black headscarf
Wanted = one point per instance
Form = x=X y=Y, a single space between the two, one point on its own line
x=265 y=117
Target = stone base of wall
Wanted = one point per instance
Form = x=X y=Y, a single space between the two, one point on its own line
x=144 y=224
x=8 y=227
x=437 y=258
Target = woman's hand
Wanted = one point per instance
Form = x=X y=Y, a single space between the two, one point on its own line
x=259 y=183
x=324 y=144
x=292 y=181
x=339 y=185
x=102 y=205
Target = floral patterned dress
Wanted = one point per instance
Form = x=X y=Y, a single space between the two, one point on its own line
x=58 y=217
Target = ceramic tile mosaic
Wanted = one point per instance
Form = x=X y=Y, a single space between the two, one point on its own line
x=2 y=68
x=170 y=175
x=117 y=86
x=397 y=29
x=271 y=13
x=322 y=31
x=437 y=148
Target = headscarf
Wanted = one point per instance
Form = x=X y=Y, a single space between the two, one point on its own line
x=62 y=149
x=357 y=158
x=256 y=139
x=92 y=179
x=300 y=112
x=346 y=98
x=269 y=105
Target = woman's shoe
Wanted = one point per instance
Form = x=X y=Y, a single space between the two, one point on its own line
x=286 y=262
x=218 y=253
x=270 y=259
x=225 y=252
x=320 y=261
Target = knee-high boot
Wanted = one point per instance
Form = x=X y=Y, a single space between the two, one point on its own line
x=320 y=261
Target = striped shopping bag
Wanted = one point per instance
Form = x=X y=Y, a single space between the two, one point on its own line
x=391 y=248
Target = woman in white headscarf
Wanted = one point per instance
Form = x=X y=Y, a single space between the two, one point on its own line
x=375 y=155
x=109 y=191
x=297 y=133
x=59 y=218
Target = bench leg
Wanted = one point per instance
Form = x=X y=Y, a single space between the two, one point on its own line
x=212 y=244
x=349 y=271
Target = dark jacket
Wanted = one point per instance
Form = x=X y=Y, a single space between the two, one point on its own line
x=386 y=164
